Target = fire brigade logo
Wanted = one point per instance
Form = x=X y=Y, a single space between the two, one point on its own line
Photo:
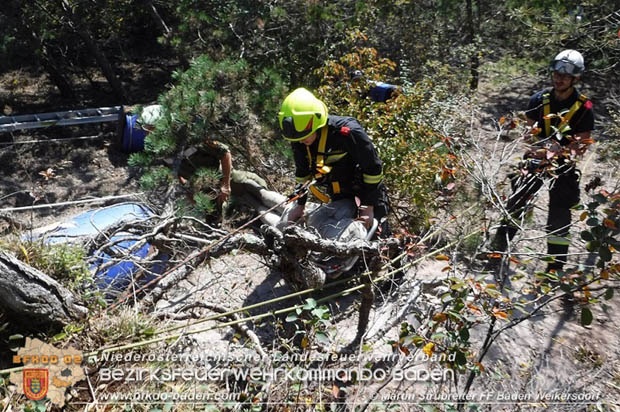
x=36 y=383
x=48 y=371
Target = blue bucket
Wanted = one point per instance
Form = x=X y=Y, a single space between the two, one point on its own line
x=133 y=137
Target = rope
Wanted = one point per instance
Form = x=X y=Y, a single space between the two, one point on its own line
x=271 y=313
x=75 y=202
x=52 y=140
x=262 y=315
x=299 y=293
x=130 y=292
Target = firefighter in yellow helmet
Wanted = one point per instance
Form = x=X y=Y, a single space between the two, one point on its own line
x=336 y=152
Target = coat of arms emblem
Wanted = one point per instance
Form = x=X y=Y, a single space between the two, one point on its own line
x=36 y=383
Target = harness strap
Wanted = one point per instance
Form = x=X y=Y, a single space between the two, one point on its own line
x=321 y=168
x=320 y=155
x=323 y=197
x=336 y=187
x=576 y=106
x=566 y=118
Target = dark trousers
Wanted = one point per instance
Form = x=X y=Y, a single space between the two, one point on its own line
x=563 y=194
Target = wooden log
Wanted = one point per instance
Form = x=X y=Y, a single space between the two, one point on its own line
x=297 y=238
x=29 y=294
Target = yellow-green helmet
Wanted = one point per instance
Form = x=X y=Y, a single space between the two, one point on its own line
x=301 y=115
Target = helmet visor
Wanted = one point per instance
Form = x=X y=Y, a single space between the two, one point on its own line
x=562 y=66
x=289 y=132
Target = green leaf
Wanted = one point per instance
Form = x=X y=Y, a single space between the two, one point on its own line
x=586 y=316
x=148 y=332
x=609 y=293
x=587 y=236
x=322 y=338
x=16 y=337
x=292 y=317
x=604 y=253
x=320 y=312
x=310 y=304
x=593 y=245
x=418 y=340
x=59 y=336
x=40 y=406
x=592 y=222
x=599 y=198
x=464 y=334
x=460 y=358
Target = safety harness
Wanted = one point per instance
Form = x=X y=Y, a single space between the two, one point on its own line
x=546 y=97
x=322 y=169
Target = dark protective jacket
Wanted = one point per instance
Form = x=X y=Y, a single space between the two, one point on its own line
x=581 y=118
x=355 y=167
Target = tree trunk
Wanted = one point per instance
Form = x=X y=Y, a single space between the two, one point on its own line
x=29 y=294
x=31 y=34
x=471 y=36
x=103 y=62
x=60 y=81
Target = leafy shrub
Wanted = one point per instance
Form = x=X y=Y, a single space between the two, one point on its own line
x=610 y=150
x=65 y=263
x=409 y=130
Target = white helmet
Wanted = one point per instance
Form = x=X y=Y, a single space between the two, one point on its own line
x=150 y=115
x=569 y=62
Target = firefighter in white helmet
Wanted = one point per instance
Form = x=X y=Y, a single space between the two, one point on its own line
x=561 y=121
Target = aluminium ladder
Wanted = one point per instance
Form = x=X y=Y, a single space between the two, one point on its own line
x=68 y=118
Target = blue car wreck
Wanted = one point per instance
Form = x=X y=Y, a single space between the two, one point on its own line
x=126 y=264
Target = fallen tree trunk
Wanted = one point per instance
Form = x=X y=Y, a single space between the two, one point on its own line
x=27 y=293
x=295 y=237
